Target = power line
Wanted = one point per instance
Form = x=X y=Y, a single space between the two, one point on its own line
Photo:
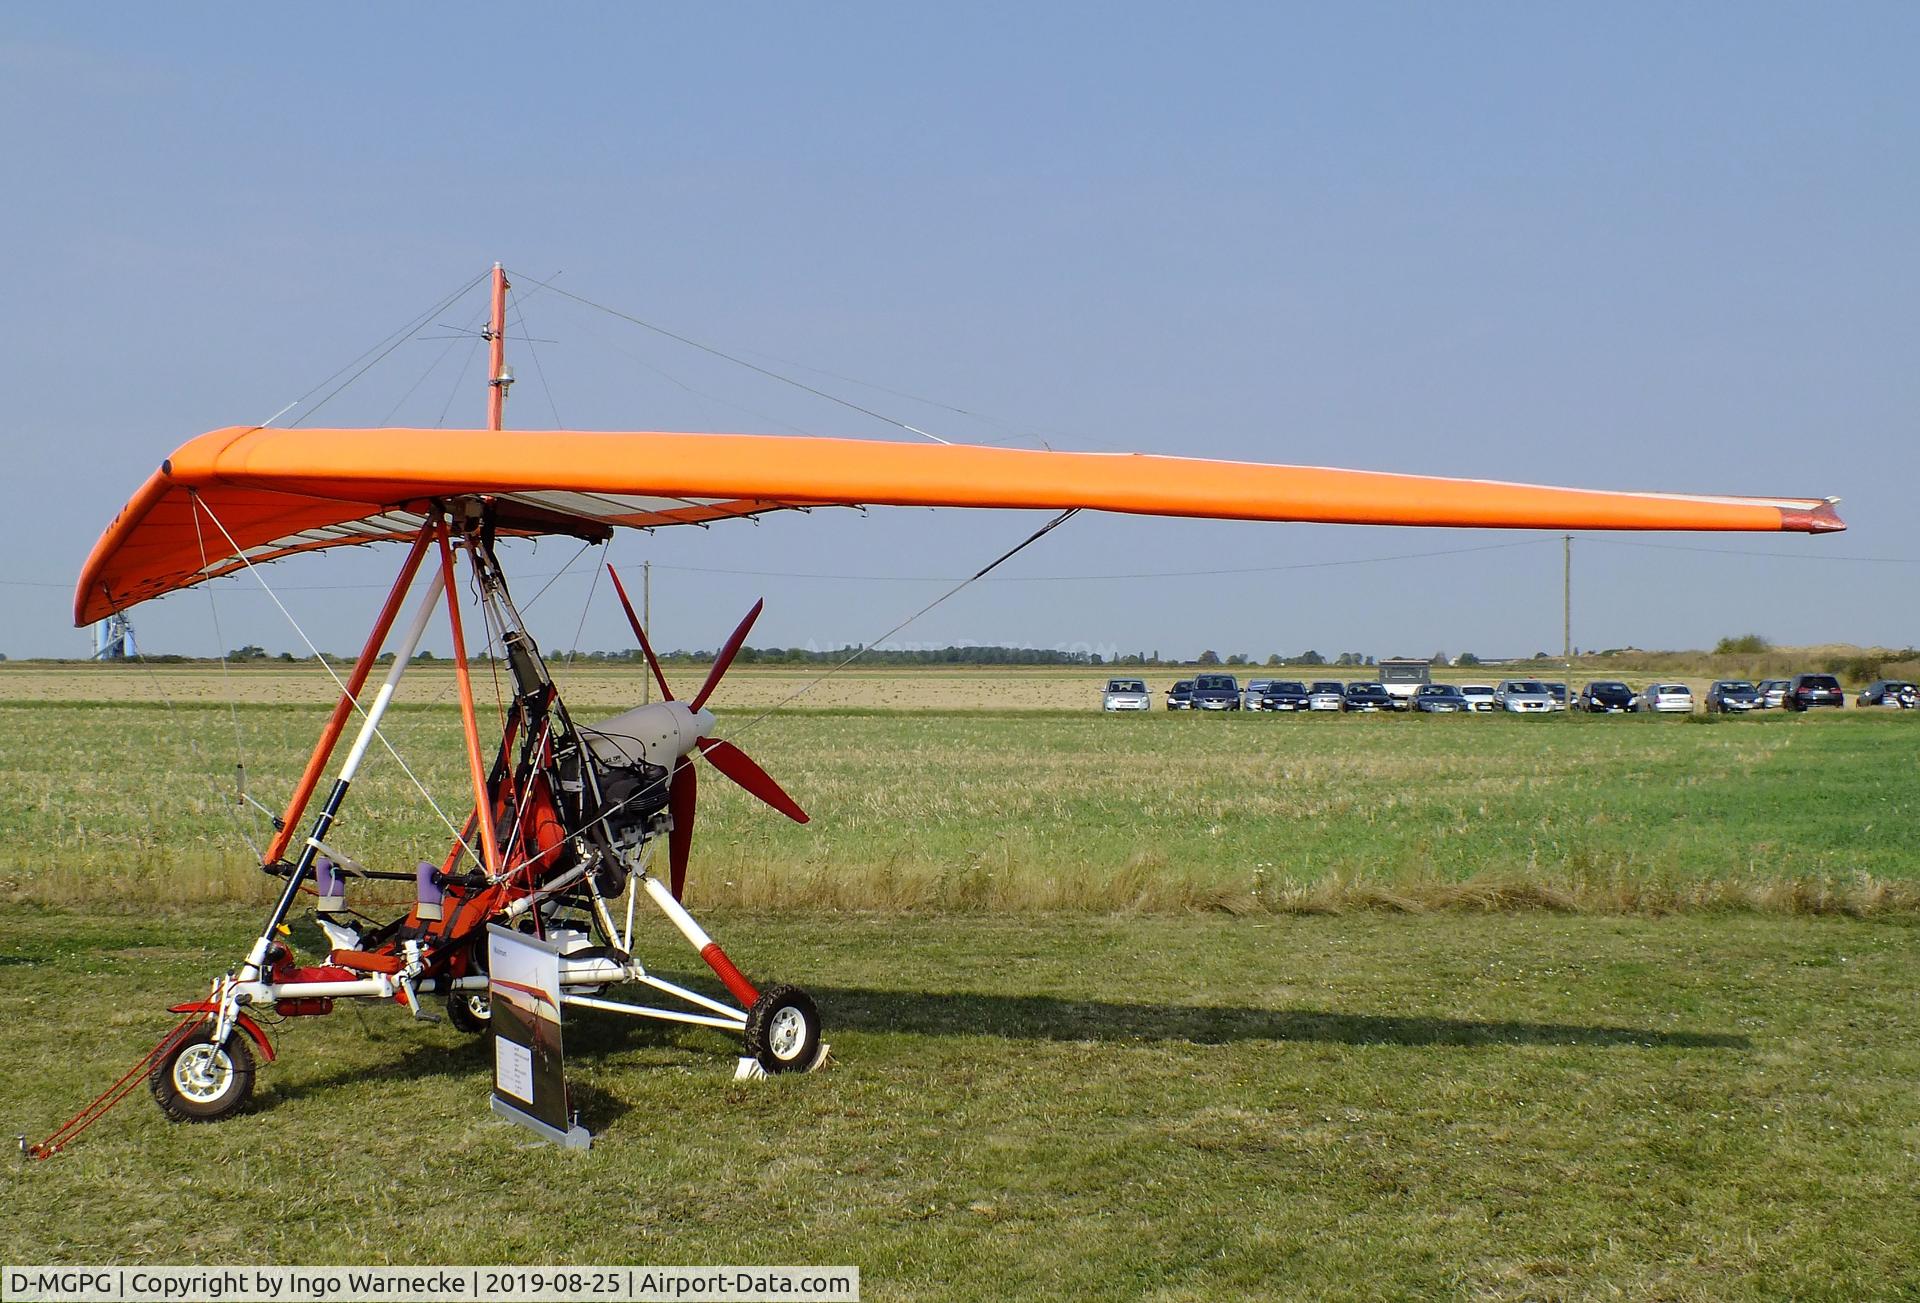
x=1771 y=556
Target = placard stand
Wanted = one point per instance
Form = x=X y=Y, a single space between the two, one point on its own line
x=529 y=1065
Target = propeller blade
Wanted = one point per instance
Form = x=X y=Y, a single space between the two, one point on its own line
x=725 y=658
x=740 y=767
x=666 y=693
x=682 y=794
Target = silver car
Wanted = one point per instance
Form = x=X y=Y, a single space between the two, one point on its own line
x=1667 y=699
x=1479 y=697
x=1251 y=694
x=1126 y=694
x=1524 y=697
x=1325 y=694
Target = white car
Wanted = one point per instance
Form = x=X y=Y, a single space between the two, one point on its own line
x=1325 y=694
x=1479 y=697
x=1126 y=694
x=1524 y=697
x=1667 y=699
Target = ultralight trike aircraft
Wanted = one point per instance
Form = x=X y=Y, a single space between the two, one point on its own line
x=566 y=815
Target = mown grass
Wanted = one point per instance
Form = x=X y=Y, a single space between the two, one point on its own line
x=132 y=803
x=1172 y=1107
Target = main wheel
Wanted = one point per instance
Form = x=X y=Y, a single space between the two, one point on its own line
x=469 y=1011
x=199 y=1082
x=783 y=1030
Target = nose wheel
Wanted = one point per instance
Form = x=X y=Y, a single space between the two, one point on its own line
x=199 y=1081
x=783 y=1030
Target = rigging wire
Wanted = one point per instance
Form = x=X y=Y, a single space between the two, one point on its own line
x=199 y=756
x=380 y=733
x=460 y=381
x=740 y=361
x=585 y=607
x=516 y=304
x=832 y=670
x=866 y=647
x=226 y=673
x=427 y=375
x=391 y=342
x=682 y=385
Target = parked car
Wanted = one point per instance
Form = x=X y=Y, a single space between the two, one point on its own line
x=1732 y=697
x=1285 y=694
x=1440 y=699
x=1559 y=691
x=1805 y=691
x=1772 y=694
x=1327 y=694
x=1180 y=695
x=1126 y=694
x=1479 y=697
x=1523 y=697
x=1368 y=697
x=1667 y=699
x=1251 y=694
x=1890 y=692
x=1215 y=692
x=1607 y=697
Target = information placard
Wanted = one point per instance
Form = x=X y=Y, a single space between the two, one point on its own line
x=529 y=1067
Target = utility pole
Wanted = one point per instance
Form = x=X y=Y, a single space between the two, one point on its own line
x=646 y=622
x=1566 y=611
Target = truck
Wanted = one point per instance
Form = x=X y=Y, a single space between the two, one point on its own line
x=1404 y=676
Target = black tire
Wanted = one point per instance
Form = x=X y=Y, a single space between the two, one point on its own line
x=197 y=1083
x=469 y=1011
x=783 y=1030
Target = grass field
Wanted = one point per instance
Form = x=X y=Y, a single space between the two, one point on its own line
x=1488 y=1106
x=1167 y=1006
x=121 y=799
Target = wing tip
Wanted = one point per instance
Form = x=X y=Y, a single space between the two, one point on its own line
x=1822 y=518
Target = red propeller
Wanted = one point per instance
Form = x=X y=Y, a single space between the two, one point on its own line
x=683 y=788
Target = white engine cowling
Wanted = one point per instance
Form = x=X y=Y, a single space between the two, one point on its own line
x=659 y=734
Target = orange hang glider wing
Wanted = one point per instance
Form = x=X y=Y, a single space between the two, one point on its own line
x=268 y=493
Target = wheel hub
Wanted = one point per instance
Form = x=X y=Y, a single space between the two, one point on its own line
x=788 y=1030
x=202 y=1072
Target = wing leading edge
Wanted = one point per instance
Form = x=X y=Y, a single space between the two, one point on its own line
x=278 y=492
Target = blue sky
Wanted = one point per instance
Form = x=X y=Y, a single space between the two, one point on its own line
x=1624 y=247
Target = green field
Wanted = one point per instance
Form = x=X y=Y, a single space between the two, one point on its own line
x=130 y=801
x=1487 y=1106
x=1165 y=1006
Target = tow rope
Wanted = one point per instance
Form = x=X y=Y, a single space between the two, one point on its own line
x=119 y=1090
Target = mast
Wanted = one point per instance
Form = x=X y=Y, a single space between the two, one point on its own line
x=498 y=376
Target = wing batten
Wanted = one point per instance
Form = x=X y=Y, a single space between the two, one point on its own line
x=281 y=492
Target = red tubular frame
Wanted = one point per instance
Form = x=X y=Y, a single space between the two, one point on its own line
x=482 y=805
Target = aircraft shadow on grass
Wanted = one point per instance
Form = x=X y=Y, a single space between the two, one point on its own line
x=1015 y=1017
x=1052 y=1018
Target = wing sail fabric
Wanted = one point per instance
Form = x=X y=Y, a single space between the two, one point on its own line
x=279 y=492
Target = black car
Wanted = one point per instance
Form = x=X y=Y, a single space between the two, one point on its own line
x=1731 y=697
x=1890 y=692
x=1215 y=692
x=1606 y=697
x=1368 y=696
x=1440 y=699
x=1180 y=695
x=1806 y=691
x=1284 y=694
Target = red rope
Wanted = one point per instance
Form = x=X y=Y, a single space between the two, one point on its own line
x=113 y=1094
